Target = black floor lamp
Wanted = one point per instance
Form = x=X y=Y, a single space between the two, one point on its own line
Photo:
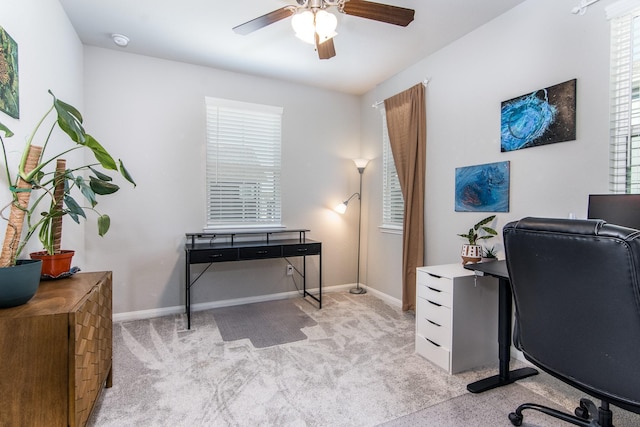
x=342 y=208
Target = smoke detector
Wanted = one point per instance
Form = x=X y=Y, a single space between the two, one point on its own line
x=120 y=40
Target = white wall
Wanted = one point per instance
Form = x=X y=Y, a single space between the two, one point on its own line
x=535 y=45
x=49 y=57
x=150 y=112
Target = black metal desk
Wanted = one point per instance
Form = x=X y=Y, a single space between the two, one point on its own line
x=499 y=270
x=203 y=248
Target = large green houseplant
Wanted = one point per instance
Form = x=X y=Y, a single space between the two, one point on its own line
x=41 y=195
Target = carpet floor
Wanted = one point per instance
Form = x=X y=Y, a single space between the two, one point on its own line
x=354 y=365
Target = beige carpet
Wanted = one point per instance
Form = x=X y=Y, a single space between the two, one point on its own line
x=356 y=367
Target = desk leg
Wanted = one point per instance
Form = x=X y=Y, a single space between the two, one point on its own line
x=504 y=376
x=187 y=288
x=320 y=280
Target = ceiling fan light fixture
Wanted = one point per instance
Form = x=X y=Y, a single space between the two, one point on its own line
x=326 y=24
x=303 y=25
x=306 y=24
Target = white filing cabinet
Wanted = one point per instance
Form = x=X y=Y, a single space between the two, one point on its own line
x=456 y=317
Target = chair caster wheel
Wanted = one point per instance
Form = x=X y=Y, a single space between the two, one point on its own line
x=586 y=409
x=515 y=419
x=582 y=413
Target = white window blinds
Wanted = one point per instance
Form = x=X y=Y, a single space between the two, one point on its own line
x=243 y=164
x=392 y=200
x=624 y=176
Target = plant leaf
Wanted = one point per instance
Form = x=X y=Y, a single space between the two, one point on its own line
x=125 y=173
x=103 y=224
x=74 y=209
x=102 y=187
x=100 y=175
x=69 y=120
x=7 y=132
x=86 y=191
x=100 y=153
x=489 y=230
x=484 y=221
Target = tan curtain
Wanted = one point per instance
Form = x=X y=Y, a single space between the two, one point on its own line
x=407 y=124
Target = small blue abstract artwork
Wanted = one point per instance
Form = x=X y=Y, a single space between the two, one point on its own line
x=482 y=188
x=543 y=117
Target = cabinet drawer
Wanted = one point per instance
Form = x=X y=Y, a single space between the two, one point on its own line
x=437 y=333
x=434 y=312
x=214 y=255
x=433 y=294
x=301 y=249
x=260 y=252
x=433 y=352
x=434 y=281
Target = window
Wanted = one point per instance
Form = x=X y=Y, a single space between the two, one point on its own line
x=624 y=175
x=243 y=164
x=392 y=200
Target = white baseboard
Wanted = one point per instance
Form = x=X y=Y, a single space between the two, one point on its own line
x=166 y=311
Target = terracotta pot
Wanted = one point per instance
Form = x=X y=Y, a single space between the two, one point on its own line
x=54 y=265
x=471 y=253
x=18 y=284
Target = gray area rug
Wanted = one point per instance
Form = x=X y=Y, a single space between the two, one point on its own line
x=356 y=367
x=265 y=324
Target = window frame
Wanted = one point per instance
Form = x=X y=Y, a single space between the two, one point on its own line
x=233 y=130
x=624 y=145
x=392 y=199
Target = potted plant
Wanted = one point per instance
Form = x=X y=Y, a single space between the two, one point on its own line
x=472 y=252
x=41 y=197
x=489 y=254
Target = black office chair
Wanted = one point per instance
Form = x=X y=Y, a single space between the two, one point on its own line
x=576 y=287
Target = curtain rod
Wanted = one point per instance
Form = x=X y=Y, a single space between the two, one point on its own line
x=379 y=103
x=581 y=9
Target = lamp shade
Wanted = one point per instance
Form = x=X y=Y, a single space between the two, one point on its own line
x=361 y=163
x=341 y=208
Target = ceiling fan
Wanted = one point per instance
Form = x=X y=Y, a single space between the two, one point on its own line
x=315 y=25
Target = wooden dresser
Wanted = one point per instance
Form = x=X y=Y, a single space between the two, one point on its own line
x=55 y=352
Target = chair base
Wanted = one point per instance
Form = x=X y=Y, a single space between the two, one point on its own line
x=583 y=414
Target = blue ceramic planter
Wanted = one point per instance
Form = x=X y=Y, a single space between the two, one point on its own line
x=19 y=284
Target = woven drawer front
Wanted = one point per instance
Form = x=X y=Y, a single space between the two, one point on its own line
x=87 y=357
x=105 y=332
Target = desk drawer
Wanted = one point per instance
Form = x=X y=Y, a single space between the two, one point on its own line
x=434 y=281
x=301 y=249
x=433 y=352
x=258 y=252
x=437 y=333
x=434 y=312
x=433 y=294
x=214 y=255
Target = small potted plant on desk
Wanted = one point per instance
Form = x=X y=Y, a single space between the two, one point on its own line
x=489 y=254
x=472 y=252
x=41 y=197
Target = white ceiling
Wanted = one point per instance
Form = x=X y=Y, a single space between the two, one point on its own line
x=200 y=32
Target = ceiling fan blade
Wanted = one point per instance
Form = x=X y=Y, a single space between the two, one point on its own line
x=379 y=12
x=326 y=49
x=264 y=20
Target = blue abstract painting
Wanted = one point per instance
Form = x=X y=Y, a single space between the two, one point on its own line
x=543 y=117
x=482 y=188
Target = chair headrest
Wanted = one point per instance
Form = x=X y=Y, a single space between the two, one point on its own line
x=588 y=227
